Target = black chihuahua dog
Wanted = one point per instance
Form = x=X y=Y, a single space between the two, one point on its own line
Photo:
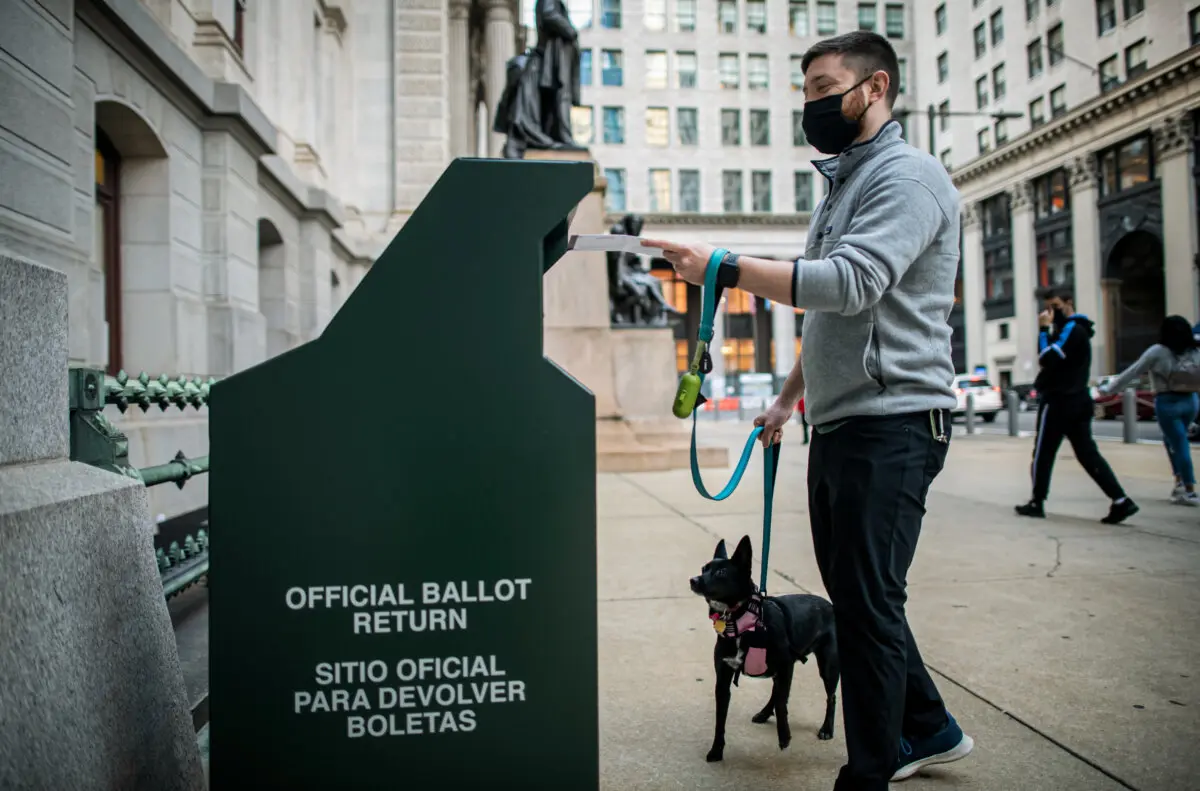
x=752 y=628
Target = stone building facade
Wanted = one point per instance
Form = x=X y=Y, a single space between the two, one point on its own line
x=215 y=176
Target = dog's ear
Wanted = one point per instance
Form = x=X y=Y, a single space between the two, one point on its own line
x=744 y=553
x=720 y=553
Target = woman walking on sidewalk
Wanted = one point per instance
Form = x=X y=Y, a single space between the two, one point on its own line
x=1174 y=366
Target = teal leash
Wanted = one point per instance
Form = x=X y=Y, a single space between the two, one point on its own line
x=710 y=296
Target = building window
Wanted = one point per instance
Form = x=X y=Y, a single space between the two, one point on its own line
x=614 y=125
x=1037 y=112
x=798 y=136
x=1032 y=9
x=1106 y=16
x=798 y=17
x=944 y=116
x=868 y=16
x=583 y=125
x=1033 y=55
x=685 y=120
x=1110 y=74
x=1054 y=44
x=1194 y=25
x=614 y=195
x=731 y=127
x=756 y=16
x=826 y=18
x=804 y=191
x=239 y=26
x=1055 y=257
x=107 y=243
x=689 y=190
x=1050 y=195
x=997 y=257
x=760 y=190
x=943 y=67
x=939 y=19
x=656 y=69
x=981 y=93
x=902 y=75
x=612 y=71
x=1001 y=131
x=685 y=15
x=727 y=16
x=585 y=67
x=983 y=137
x=1134 y=7
x=1127 y=165
x=731 y=191
x=1135 y=59
x=580 y=12
x=760 y=128
x=654 y=14
x=729 y=69
x=1058 y=102
x=980 y=34
x=610 y=13
x=999 y=83
x=758 y=75
x=998 y=28
x=660 y=190
x=893 y=20
x=658 y=132
x=796 y=72
x=685 y=69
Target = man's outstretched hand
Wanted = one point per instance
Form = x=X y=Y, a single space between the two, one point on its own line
x=690 y=261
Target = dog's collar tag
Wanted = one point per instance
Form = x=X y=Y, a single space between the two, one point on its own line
x=719 y=625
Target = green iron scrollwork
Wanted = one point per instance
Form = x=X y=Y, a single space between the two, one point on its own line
x=183 y=566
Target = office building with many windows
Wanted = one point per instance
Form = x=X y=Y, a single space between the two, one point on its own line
x=693 y=108
x=1069 y=128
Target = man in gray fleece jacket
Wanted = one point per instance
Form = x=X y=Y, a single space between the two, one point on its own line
x=877 y=285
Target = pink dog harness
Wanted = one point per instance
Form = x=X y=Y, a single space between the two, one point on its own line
x=748 y=623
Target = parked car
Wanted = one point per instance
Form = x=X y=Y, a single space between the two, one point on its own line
x=1027 y=396
x=988 y=401
x=1111 y=407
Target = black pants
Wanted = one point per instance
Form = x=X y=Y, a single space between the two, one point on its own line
x=1070 y=418
x=867 y=482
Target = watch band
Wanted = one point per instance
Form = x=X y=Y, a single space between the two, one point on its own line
x=729 y=271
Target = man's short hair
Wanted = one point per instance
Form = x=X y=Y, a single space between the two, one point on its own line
x=863 y=52
x=1057 y=291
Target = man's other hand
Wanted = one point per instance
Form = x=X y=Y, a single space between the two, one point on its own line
x=690 y=261
x=1046 y=318
x=772 y=422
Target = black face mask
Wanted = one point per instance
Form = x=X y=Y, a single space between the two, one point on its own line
x=827 y=129
x=1060 y=317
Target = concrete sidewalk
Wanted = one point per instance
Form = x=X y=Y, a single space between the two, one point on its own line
x=1066 y=648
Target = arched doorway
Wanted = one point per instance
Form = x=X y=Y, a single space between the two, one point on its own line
x=274 y=300
x=1136 y=299
x=106 y=243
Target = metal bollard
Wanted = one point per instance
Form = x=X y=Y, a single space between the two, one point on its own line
x=970 y=416
x=741 y=409
x=1129 y=410
x=1014 y=409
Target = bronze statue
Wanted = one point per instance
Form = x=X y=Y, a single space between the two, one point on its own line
x=635 y=296
x=541 y=87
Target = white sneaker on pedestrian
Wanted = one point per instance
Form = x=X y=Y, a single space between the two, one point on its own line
x=1178 y=491
x=1187 y=498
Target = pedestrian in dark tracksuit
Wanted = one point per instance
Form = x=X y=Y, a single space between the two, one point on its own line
x=1066 y=409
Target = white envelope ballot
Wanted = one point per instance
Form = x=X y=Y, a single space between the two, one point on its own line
x=611 y=243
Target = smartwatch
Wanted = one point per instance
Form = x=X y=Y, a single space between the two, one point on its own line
x=728 y=272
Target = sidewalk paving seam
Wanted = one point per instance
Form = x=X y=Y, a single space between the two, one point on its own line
x=983 y=699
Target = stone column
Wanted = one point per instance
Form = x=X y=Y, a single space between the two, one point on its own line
x=783 y=331
x=1172 y=144
x=462 y=114
x=974 y=291
x=1084 y=181
x=501 y=44
x=1024 y=261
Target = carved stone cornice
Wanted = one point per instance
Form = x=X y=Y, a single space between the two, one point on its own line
x=1173 y=136
x=1134 y=93
x=1020 y=196
x=1083 y=172
x=460 y=9
x=498 y=11
x=970 y=214
x=796 y=220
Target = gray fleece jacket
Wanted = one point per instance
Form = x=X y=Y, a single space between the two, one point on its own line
x=877 y=284
x=1159 y=361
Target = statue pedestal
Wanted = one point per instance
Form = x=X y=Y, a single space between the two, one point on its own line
x=630 y=371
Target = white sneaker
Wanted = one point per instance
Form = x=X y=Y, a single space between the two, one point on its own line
x=1178 y=491
x=1187 y=498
